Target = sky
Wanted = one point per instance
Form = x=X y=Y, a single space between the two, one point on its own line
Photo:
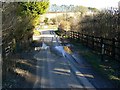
x=88 y=3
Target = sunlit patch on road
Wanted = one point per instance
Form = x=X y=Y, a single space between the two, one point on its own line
x=84 y=75
x=62 y=70
x=27 y=75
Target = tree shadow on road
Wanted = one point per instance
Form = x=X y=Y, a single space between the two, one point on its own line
x=21 y=73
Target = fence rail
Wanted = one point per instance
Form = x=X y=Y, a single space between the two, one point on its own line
x=7 y=48
x=104 y=46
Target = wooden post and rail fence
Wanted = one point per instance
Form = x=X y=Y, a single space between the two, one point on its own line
x=8 y=46
x=104 y=46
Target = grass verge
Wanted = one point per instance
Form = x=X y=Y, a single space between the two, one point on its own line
x=108 y=68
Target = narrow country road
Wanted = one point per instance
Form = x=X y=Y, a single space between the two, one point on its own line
x=54 y=68
x=57 y=68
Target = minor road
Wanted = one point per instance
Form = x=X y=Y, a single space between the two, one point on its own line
x=58 y=69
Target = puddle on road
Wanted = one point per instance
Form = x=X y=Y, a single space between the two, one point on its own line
x=67 y=49
x=44 y=46
x=63 y=50
x=59 y=50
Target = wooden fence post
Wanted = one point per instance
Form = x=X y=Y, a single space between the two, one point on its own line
x=113 y=48
x=72 y=35
x=93 y=42
x=87 y=40
x=77 y=36
x=69 y=35
x=82 y=38
x=102 y=49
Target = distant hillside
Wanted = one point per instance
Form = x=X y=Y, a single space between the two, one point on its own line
x=69 y=8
